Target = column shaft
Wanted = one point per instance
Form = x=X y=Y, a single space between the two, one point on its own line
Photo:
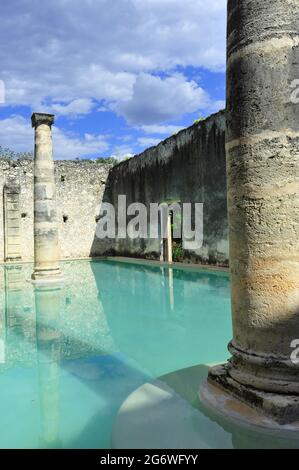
x=46 y=244
x=263 y=198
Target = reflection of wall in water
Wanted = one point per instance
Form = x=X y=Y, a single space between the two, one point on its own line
x=84 y=331
x=157 y=317
x=2 y=326
x=19 y=317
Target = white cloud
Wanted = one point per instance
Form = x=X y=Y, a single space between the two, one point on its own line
x=126 y=138
x=16 y=133
x=148 y=141
x=122 y=152
x=190 y=32
x=94 y=49
x=155 y=100
x=166 y=129
x=74 y=108
x=69 y=56
x=215 y=106
x=68 y=146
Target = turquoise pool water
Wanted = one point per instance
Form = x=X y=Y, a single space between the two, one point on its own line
x=69 y=357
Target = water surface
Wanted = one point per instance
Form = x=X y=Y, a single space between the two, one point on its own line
x=69 y=357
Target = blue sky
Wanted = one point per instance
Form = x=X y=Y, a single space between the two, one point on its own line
x=119 y=75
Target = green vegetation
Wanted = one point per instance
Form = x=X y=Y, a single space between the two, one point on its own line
x=197 y=121
x=100 y=160
x=177 y=252
x=8 y=154
x=111 y=160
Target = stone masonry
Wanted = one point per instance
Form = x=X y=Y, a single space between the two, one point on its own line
x=79 y=190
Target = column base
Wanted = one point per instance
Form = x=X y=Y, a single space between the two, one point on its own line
x=16 y=259
x=47 y=277
x=247 y=404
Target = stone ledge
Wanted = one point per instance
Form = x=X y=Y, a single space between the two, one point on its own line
x=275 y=411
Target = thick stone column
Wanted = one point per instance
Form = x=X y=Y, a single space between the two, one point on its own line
x=46 y=246
x=263 y=203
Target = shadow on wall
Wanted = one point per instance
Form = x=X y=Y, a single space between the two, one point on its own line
x=189 y=167
x=138 y=248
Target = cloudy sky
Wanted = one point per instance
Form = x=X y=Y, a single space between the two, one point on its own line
x=120 y=75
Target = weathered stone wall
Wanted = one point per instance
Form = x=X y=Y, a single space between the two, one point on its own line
x=187 y=167
x=79 y=186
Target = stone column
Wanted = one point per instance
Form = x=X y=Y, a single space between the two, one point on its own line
x=263 y=203
x=168 y=242
x=46 y=246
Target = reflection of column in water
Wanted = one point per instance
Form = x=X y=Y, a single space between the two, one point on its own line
x=163 y=292
x=170 y=286
x=48 y=304
x=162 y=270
x=167 y=288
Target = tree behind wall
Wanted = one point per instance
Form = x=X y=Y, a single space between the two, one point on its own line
x=8 y=154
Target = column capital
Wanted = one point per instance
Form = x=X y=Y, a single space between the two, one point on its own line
x=41 y=118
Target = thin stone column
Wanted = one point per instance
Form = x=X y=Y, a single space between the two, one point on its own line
x=46 y=245
x=263 y=203
x=168 y=242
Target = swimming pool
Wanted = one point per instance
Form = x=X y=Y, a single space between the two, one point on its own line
x=70 y=357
